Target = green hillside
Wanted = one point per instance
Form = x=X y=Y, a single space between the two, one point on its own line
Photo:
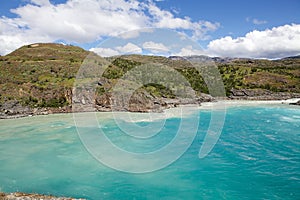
x=277 y=75
x=42 y=75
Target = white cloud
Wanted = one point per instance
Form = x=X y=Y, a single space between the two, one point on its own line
x=277 y=42
x=134 y=33
x=155 y=47
x=129 y=48
x=105 y=52
x=41 y=2
x=258 y=22
x=11 y=36
x=190 y=51
x=165 y=19
x=86 y=21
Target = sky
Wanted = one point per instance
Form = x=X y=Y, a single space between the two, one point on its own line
x=232 y=28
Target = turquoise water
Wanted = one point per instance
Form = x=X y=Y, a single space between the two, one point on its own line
x=256 y=157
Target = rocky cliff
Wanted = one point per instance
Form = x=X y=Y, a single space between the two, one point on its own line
x=40 y=79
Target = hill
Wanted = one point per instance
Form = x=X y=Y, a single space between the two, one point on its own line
x=39 y=78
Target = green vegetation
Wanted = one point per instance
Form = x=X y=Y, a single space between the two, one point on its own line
x=100 y=90
x=195 y=79
x=276 y=76
x=119 y=67
x=158 y=90
x=42 y=75
x=54 y=102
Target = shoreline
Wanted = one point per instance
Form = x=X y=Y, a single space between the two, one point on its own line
x=171 y=111
x=242 y=102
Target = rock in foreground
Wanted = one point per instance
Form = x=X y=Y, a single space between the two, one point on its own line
x=297 y=103
x=24 y=196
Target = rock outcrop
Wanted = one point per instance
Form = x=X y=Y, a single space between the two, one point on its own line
x=14 y=109
x=260 y=94
x=296 y=103
x=39 y=79
x=144 y=102
x=24 y=196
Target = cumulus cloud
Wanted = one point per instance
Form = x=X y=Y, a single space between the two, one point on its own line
x=41 y=2
x=105 y=52
x=134 y=33
x=165 y=19
x=190 y=51
x=129 y=48
x=86 y=21
x=272 y=43
x=13 y=35
x=155 y=47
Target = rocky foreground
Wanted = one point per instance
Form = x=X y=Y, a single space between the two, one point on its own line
x=24 y=196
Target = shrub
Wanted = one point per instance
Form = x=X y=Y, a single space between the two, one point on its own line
x=54 y=102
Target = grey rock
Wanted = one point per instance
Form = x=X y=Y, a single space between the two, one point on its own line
x=260 y=94
x=25 y=196
x=297 y=103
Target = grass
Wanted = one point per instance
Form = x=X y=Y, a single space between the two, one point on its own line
x=43 y=75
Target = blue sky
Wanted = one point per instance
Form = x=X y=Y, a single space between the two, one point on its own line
x=233 y=14
x=259 y=29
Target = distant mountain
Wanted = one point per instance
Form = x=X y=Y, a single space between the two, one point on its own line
x=39 y=78
x=291 y=57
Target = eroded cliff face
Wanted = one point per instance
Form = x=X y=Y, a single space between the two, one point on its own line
x=144 y=102
x=40 y=79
